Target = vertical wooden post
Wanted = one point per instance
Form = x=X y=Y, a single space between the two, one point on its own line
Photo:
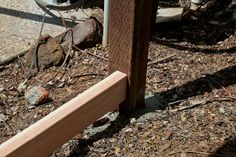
x=130 y=22
x=154 y=15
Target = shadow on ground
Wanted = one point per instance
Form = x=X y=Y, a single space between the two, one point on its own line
x=160 y=101
x=35 y=17
x=207 y=83
x=195 y=49
x=82 y=148
x=207 y=27
x=228 y=149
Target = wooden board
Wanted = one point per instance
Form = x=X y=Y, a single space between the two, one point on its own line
x=51 y=132
x=130 y=22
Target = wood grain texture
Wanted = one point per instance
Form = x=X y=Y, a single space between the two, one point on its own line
x=130 y=22
x=49 y=133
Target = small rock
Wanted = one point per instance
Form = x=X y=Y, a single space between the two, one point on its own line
x=222 y=110
x=165 y=122
x=1 y=89
x=49 y=85
x=49 y=53
x=36 y=95
x=184 y=117
x=132 y=120
x=17 y=66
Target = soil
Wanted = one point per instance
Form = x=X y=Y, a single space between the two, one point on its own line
x=191 y=70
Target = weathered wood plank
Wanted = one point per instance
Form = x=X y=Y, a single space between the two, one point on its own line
x=49 y=133
x=130 y=22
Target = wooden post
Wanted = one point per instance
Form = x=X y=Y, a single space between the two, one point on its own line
x=130 y=22
x=154 y=15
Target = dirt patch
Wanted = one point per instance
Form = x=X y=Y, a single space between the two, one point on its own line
x=80 y=73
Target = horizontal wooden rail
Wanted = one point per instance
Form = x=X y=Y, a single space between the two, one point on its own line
x=52 y=131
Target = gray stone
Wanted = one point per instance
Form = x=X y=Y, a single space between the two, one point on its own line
x=36 y=95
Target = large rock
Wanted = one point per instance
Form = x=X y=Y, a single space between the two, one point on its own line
x=52 y=51
x=85 y=34
x=49 y=53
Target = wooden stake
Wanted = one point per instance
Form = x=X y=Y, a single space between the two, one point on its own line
x=51 y=132
x=129 y=37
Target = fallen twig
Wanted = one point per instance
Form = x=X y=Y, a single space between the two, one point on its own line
x=175 y=102
x=189 y=106
x=202 y=102
x=89 y=74
x=90 y=53
x=162 y=59
x=97 y=56
x=63 y=20
x=35 y=51
x=60 y=69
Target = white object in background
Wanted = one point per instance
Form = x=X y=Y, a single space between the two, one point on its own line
x=169 y=15
x=196 y=1
x=195 y=4
x=105 y=24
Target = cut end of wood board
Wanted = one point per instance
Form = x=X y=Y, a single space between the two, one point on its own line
x=52 y=131
x=169 y=15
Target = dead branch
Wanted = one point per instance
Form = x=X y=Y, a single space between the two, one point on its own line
x=34 y=52
x=63 y=20
x=228 y=92
x=105 y=59
x=60 y=69
x=89 y=74
x=162 y=59
x=203 y=102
